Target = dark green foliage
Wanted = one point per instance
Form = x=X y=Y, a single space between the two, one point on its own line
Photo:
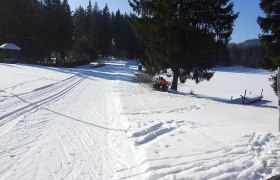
x=105 y=38
x=183 y=35
x=49 y=33
x=59 y=28
x=101 y=33
x=247 y=56
x=39 y=28
x=81 y=50
x=273 y=79
x=125 y=44
x=20 y=23
x=270 y=25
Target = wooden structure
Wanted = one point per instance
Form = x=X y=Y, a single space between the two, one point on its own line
x=250 y=99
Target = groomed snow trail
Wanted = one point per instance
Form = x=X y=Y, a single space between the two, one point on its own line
x=68 y=129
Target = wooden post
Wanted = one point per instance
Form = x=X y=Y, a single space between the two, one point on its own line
x=278 y=92
x=243 y=98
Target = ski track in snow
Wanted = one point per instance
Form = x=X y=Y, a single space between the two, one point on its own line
x=37 y=99
x=48 y=134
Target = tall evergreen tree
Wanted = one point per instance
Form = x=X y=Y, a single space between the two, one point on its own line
x=183 y=35
x=67 y=29
x=60 y=28
x=105 y=32
x=270 y=38
x=117 y=27
x=80 y=51
x=94 y=31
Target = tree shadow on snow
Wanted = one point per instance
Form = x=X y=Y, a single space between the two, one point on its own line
x=84 y=122
x=111 y=71
x=237 y=101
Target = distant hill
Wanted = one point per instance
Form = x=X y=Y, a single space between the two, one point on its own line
x=250 y=42
x=247 y=43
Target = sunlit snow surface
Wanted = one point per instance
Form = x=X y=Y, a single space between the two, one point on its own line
x=84 y=123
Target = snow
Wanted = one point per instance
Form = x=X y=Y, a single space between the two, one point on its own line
x=101 y=123
x=10 y=46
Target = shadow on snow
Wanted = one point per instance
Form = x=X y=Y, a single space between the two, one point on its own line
x=111 y=71
x=262 y=103
x=119 y=70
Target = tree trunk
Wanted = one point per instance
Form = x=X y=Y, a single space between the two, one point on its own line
x=175 y=78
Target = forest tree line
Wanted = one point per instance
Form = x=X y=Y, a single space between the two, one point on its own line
x=48 y=32
x=253 y=55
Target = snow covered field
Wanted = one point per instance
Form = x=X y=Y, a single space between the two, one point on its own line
x=100 y=123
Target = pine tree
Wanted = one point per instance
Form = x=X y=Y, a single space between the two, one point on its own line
x=182 y=35
x=270 y=38
x=117 y=29
x=58 y=19
x=80 y=51
x=67 y=29
x=105 y=42
x=94 y=31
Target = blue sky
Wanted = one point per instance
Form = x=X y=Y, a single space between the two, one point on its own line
x=246 y=26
